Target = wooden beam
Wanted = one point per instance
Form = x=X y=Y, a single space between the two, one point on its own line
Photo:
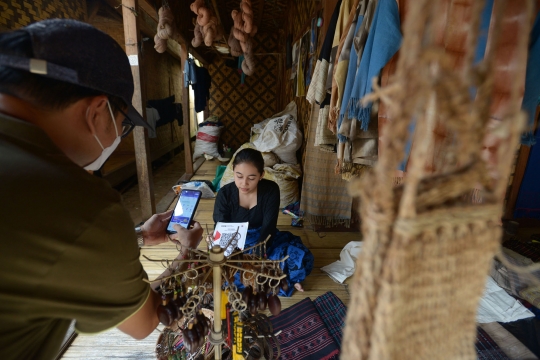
x=185 y=110
x=147 y=25
x=92 y=8
x=149 y=9
x=142 y=148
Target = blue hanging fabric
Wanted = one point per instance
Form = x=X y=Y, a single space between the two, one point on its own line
x=351 y=75
x=532 y=83
x=485 y=20
x=383 y=41
x=190 y=77
x=528 y=201
x=481 y=45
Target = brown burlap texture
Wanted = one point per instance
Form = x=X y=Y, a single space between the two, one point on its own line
x=427 y=248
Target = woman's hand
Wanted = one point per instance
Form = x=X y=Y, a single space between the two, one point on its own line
x=187 y=238
x=154 y=229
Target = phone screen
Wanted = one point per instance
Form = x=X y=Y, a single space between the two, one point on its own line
x=185 y=209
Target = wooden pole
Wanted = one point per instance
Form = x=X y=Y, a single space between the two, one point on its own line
x=216 y=256
x=185 y=110
x=142 y=148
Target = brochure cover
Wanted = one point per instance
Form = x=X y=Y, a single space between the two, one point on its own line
x=230 y=235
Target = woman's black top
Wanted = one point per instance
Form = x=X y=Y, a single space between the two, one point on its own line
x=264 y=215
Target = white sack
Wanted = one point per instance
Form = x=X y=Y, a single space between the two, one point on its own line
x=280 y=134
x=207 y=141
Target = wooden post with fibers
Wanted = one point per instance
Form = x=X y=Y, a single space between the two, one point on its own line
x=142 y=149
x=187 y=122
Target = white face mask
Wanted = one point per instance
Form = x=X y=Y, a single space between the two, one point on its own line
x=96 y=165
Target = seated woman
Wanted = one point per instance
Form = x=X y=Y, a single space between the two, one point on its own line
x=256 y=200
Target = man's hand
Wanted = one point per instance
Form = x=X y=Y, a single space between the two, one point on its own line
x=154 y=229
x=187 y=238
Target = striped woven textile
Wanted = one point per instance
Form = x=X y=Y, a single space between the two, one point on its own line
x=314 y=330
x=325 y=200
x=332 y=311
x=304 y=334
x=487 y=348
x=530 y=251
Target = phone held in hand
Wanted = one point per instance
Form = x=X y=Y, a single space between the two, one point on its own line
x=184 y=210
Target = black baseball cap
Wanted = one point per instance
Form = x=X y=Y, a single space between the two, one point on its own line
x=78 y=53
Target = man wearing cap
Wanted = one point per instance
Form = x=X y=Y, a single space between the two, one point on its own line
x=68 y=250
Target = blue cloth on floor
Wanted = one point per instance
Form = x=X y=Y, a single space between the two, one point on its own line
x=283 y=243
x=383 y=41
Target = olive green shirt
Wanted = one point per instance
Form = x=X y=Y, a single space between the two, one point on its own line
x=68 y=249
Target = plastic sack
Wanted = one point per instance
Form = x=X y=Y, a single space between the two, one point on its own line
x=207 y=192
x=280 y=134
x=207 y=141
x=270 y=159
x=286 y=176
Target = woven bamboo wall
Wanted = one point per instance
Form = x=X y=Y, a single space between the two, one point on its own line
x=299 y=15
x=240 y=106
x=15 y=13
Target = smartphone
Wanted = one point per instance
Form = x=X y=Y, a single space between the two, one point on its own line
x=185 y=209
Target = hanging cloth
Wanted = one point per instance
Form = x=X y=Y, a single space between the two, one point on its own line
x=317 y=87
x=324 y=139
x=190 y=77
x=341 y=30
x=340 y=68
x=361 y=32
x=357 y=150
x=382 y=43
x=202 y=88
